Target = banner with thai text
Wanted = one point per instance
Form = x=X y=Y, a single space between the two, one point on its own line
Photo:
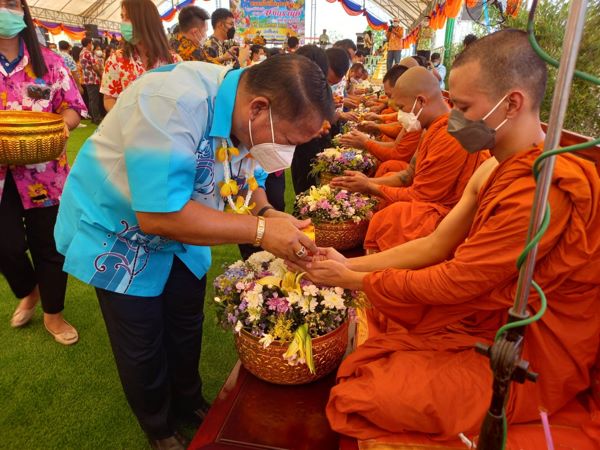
x=275 y=19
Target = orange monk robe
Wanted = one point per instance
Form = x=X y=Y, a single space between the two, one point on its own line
x=426 y=378
x=443 y=169
x=390 y=130
x=396 y=158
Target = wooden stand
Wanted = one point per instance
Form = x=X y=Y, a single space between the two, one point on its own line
x=252 y=414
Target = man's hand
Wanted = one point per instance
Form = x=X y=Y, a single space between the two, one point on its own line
x=350 y=103
x=227 y=56
x=348 y=116
x=285 y=240
x=355 y=182
x=354 y=139
x=300 y=224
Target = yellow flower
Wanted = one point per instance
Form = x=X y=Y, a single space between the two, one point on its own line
x=282 y=329
x=252 y=184
x=229 y=188
x=240 y=208
x=222 y=154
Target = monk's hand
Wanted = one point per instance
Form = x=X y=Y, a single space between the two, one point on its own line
x=368 y=126
x=354 y=139
x=283 y=239
x=372 y=116
x=331 y=273
x=329 y=253
x=351 y=181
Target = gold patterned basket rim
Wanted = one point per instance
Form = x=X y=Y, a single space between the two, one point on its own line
x=28 y=119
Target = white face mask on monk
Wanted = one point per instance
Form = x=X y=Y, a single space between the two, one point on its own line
x=270 y=155
x=410 y=121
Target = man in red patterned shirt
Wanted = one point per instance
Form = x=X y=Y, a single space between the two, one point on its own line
x=91 y=78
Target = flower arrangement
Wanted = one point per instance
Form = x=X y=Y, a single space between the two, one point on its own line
x=336 y=160
x=329 y=205
x=261 y=297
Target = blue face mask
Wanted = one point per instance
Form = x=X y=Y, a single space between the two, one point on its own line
x=11 y=23
x=127 y=31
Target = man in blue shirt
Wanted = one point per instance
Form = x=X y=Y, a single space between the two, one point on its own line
x=145 y=199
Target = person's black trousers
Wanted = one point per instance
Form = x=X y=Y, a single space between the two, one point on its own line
x=156 y=342
x=33 y=229
x=93 y=92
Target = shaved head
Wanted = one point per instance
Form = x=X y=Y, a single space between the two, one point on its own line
x=419 y=89
x=418 y=81
x=505 y=61
x=408 y=62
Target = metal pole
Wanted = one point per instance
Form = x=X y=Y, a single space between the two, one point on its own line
x=560 y=100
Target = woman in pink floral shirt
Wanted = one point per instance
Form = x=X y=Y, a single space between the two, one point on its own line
x=34 y=78
x=146 y=47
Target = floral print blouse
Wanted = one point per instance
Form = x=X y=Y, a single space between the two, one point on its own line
x=120 y=71
x=39 y=185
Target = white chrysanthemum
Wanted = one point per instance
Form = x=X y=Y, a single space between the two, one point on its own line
x=237 y=265
x=331 y=152
x=332 y=300
x=311 y=290
x=266 y=340
x=238 y=326
x=254 y=314
x=254 y=297
x=278 y=268
x=294 y=298
x=258 y=259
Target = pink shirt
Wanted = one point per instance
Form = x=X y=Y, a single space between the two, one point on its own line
x=39 y=185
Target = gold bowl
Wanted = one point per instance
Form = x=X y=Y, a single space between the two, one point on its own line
x=28 y=137
x=341 y=236
x=268 y=363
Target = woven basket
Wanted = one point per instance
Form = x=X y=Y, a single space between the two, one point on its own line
x=28 y=137
x=268 y=363
x=341 y=236
x=325 y=178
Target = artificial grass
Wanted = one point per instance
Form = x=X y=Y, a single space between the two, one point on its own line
x=71 y=397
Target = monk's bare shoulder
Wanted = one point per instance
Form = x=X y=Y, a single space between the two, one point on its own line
x=481 y=175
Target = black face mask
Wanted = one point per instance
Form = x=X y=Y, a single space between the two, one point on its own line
x=231 y=33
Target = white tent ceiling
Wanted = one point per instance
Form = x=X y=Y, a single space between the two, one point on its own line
x=106 y=13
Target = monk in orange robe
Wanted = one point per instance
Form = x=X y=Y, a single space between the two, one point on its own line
x=421 y=196
x=453 y=288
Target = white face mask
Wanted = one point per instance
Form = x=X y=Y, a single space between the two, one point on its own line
x=261 y=58
x=410 y=121
x=271 y=156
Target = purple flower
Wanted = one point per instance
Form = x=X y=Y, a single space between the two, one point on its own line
x=277 y=304
x=342 y=195
x=231 y=318
x=243 y=305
